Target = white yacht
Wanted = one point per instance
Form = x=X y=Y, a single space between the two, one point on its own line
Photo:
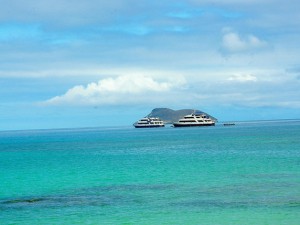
x=195 y=119
x=149 y=122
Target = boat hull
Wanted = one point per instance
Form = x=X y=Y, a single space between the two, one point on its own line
x=193 y=124
x=148 y=126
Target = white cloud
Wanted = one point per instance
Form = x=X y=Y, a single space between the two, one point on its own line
x=233 y=42
x=243 y=78
x=120 y=90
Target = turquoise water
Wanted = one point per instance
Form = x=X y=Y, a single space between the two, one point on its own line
x=243 y=174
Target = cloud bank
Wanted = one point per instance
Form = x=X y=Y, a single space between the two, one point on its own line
x=233 y=42
x=243 y=78
x=120 y=90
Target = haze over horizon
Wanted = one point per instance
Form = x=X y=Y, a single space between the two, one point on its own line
x=106 y=63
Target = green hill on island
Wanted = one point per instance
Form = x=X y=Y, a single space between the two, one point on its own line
x=171 y=116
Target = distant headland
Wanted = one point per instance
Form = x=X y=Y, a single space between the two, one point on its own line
x=171 y=116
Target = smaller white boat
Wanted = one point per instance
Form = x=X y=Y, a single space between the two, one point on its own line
x=229 y=124
x=149 y=122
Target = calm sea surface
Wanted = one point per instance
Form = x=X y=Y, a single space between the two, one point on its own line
x=243 y=174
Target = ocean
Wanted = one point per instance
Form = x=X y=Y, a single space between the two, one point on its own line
x=243 y=174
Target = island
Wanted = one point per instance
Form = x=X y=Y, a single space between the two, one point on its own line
x=170 y=116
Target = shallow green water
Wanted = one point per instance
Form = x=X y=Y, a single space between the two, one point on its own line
x=244 y=174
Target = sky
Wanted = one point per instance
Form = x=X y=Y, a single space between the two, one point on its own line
x=71 y=63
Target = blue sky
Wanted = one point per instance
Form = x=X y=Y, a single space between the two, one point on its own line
x=101 y=63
